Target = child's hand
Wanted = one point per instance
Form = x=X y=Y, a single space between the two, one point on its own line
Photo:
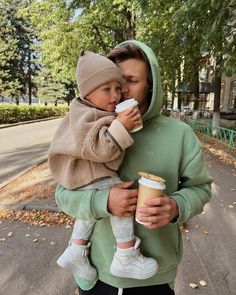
x=130 y=118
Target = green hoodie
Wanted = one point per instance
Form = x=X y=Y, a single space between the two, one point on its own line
x=164 y=147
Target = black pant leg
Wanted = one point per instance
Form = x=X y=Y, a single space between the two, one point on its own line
x=103 y=289
x=100 y=289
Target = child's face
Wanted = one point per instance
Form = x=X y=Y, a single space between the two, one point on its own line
x=106 y=97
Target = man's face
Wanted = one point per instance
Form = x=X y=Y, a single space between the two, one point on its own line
x=135 y=73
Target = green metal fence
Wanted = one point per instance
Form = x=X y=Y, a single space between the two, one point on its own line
x=225 y=136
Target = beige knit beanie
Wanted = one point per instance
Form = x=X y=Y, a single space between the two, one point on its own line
x=94 y=70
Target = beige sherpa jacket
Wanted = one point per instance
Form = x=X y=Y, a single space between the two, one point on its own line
x=88 y=146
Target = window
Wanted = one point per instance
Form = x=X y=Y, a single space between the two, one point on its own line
x=232 y=95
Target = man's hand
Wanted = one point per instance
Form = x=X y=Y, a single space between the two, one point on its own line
x=161 y=211
x=122 y=201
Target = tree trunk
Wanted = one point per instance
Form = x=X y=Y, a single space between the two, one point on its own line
x=217 y=92
x=172 y=99
x=216 y=108
x=195 y=86
x=29 y=78
x=179 y=100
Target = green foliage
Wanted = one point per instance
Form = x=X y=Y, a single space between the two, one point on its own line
x=65 y=29
x=14 y=114
x=183 y=34
x=16 y=38
x=50 y=89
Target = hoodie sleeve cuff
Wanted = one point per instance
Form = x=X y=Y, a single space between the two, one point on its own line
x=99 y=203
x=120 y=134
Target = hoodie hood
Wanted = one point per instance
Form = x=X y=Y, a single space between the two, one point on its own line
x=157 y=92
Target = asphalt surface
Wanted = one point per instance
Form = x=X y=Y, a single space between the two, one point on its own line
x=29 y=268
x=23 y=146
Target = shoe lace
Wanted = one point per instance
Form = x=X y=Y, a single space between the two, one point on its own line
x=138 y=255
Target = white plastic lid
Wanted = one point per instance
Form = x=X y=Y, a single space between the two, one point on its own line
x=151 y=183
x=125 y=105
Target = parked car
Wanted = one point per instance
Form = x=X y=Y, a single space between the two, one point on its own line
x=205 y=114
x=187 y=111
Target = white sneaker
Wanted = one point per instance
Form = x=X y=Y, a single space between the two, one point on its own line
x=75 y=259
x=130 y=263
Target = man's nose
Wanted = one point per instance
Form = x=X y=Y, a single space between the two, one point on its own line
x=125 y=88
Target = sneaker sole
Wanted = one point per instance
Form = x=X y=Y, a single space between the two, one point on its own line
x=72 y=268
x=127 y=274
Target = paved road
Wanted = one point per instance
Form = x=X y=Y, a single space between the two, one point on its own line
x=23 y=146
x=209 y=249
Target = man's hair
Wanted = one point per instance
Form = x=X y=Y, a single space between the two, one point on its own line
x=127 y=51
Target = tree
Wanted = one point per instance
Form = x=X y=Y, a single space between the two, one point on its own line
x=50 y=89
x=211 y=25
x=67 y=27
x=16 y=38
x=220 y=41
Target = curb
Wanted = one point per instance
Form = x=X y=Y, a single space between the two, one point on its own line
x=30 y=207
x=28 y=122
x=27 y=206
x=5 y=183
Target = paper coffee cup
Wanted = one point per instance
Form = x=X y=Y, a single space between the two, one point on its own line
x=124 y=106
x=148 y=189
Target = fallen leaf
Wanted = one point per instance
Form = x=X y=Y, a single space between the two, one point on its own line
x=202 y=283
x=27 y=235
x=43 y=224
x=2 y=239
x=35 y=240
x=233 y=189
x=39 y=217
x=193 y=285
x=197 y=226
x=10 y=234
x=205 y=232
x=52 y=243
x=231 y=206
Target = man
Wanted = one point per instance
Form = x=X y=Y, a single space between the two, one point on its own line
x=164 y=147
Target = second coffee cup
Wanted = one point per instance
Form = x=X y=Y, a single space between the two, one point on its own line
x=124 y=106
x=150 y=186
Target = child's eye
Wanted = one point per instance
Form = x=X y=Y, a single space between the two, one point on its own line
x=107 y=89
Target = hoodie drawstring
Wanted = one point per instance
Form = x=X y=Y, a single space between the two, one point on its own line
x=120 y=291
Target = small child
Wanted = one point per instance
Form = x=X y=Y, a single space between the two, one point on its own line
x=86 y=151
